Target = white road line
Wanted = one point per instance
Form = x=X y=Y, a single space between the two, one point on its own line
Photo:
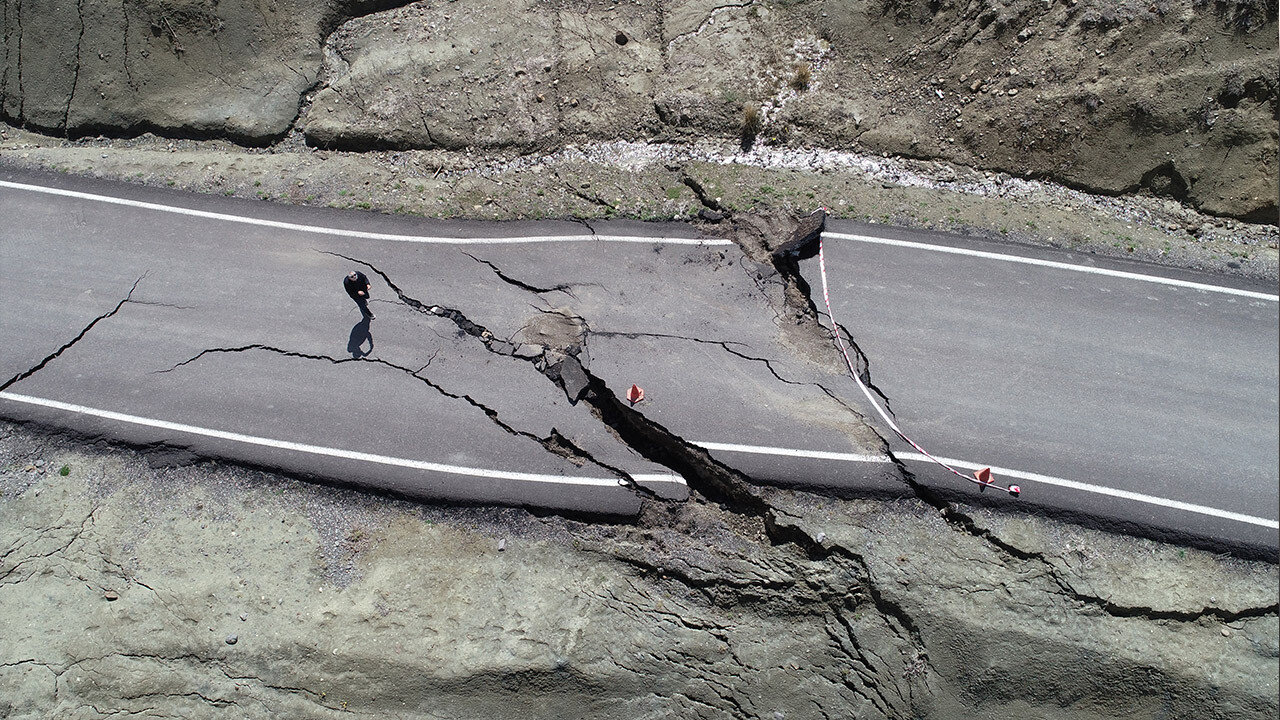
x=613 y=482
x=644 y=478
x=441 y=240
x=328 y=451
x=789 y=452
x=1100 y=490
x=1053 y=264
x=1021 y=475
x=727 y=447
x=316 y=229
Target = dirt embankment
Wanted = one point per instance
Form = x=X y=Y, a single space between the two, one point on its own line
x=210 y=591
x=1173 y=98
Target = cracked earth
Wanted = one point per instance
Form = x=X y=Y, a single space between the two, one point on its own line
x=207 y=589
x=140 y=579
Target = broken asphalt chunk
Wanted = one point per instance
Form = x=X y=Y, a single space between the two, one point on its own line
x=570 y=376
x=803 y=239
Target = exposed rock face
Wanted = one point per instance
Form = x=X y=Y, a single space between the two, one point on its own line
x=183 y=68
x=1114 y=97
x=1173 y=98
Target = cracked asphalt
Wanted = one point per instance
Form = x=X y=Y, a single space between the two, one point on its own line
x=1135 y=386
x=495 y=370
x=176 y=590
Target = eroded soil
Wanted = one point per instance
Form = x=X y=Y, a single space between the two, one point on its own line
x=203 y=590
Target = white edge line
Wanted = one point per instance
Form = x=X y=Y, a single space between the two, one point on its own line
x=789 y=452
x=1054 y=264
x=1100 y=490
x=1021 y=475
x=727 y=447
x=611 y=482
x=327 y=451
x=657 y=478
x=316 y=229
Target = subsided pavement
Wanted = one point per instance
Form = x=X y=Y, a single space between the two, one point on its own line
x=496 y=368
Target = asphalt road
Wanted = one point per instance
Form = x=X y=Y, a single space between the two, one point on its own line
x=1167 y=391
x=218 y=327
x=225 y=333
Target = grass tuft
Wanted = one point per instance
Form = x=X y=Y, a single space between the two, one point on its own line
x=752 y=122
x=803 y=74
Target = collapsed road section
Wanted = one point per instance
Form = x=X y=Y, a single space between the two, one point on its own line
x=491 y=374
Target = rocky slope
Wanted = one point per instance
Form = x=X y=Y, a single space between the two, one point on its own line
x=1184 y=91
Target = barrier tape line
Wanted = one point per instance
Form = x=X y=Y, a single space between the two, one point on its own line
x=835 y=330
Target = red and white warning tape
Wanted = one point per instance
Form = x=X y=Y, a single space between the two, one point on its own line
x=981 y=477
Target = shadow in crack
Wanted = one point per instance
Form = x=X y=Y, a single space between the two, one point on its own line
x=360 y=335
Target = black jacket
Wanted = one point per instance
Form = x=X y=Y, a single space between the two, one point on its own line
x=353 y=286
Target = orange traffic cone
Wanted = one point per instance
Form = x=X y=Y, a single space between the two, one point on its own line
x=983 y=475
x=635 y=394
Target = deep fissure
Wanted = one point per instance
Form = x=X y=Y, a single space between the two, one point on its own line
x=648 y=438
x=563 y=287
x=726 y=485
x=784 y=257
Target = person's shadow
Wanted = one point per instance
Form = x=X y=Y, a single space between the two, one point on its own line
x=359 y=336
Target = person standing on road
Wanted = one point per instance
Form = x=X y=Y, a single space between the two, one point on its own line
x=357 y=286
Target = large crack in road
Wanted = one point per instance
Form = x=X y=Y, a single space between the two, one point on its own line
x=799 y=568
x=554 y=443
x=70 y=343
x=704 y=474
x=780 y=242
x=563 y=367
x=770 y=242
